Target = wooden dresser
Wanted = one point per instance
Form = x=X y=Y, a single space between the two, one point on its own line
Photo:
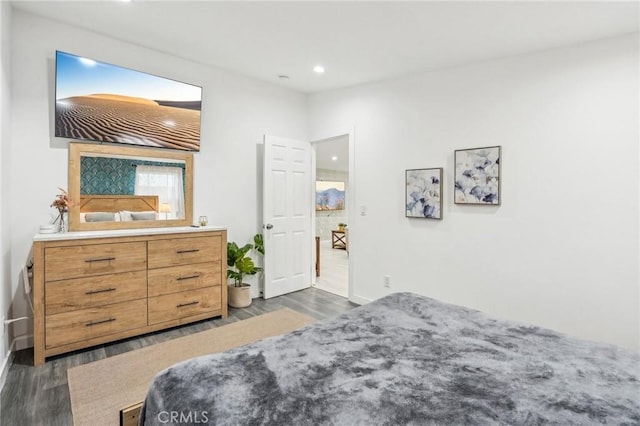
x=99 y=286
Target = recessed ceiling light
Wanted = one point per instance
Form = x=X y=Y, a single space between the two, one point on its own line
x=318 y=69
x=334 y=158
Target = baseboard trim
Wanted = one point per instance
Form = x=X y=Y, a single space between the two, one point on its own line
x=8 y=359
x=18 y=345
x=359 y=300
x=6 y=363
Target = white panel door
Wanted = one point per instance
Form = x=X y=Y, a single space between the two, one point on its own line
x=287 y=215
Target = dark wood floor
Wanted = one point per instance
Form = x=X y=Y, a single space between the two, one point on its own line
x=40 y=395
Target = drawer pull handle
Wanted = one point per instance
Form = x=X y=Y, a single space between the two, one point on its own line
x=90 y=323
x=100 y=259
x=190 y=277
x=104 y=290
x=188 y=251
x=187 y=304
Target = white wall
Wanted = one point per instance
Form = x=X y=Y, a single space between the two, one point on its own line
x=5 y=161
x=562 y=250
x=236 y=112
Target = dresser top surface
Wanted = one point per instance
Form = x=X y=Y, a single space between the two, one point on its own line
x=79 y=235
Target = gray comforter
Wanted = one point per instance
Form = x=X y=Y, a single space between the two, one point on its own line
x=404 y=359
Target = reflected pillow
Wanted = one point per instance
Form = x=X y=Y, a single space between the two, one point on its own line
x=143 y=215
x=100 y=217
x=83 y=218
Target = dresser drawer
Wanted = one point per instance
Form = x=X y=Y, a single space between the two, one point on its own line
x=186 y=277
x=85 y=324
x=94 y=259
x=81 y=293
x=187 y=303
x=184 y=251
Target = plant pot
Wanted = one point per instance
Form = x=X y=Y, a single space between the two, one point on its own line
x=239 y=297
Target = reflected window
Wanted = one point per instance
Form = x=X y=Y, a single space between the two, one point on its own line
x=167 y=184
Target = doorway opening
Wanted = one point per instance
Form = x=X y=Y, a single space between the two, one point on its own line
x=331 y=214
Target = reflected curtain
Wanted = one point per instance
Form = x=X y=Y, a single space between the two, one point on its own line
x=166 y=183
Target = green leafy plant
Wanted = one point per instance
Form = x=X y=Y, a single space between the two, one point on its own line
x=240 y=263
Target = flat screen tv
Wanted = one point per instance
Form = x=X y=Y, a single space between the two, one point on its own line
x=100 y=102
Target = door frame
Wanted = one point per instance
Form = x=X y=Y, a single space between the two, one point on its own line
x=349 y=132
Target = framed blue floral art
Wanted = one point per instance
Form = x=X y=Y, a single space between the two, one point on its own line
x=423 y=193
x=477 y=176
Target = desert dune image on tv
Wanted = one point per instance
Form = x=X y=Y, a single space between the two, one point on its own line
x=104 y=103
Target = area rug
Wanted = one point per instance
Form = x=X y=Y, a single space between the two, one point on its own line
x=100 y=389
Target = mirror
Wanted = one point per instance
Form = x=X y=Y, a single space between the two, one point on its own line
x=118 y=187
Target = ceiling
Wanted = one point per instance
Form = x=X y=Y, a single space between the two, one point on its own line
x=357 y=42
x=337 y=148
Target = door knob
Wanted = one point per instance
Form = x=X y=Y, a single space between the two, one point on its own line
x=268 y=226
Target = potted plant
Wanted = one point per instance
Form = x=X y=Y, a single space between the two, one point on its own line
x=341 y=226
x=240 y=265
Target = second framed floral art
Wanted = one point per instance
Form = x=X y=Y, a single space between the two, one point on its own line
x=477 y=176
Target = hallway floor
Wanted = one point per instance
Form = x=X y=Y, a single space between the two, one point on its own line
x=334 y=270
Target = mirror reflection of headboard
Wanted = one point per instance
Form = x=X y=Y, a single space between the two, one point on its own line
x=94 y=204
x=116 y=203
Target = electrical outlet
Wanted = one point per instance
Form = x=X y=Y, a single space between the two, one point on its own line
x=387 y=281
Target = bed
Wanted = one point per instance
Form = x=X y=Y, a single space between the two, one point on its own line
x=98 y=208
x=404 y=359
